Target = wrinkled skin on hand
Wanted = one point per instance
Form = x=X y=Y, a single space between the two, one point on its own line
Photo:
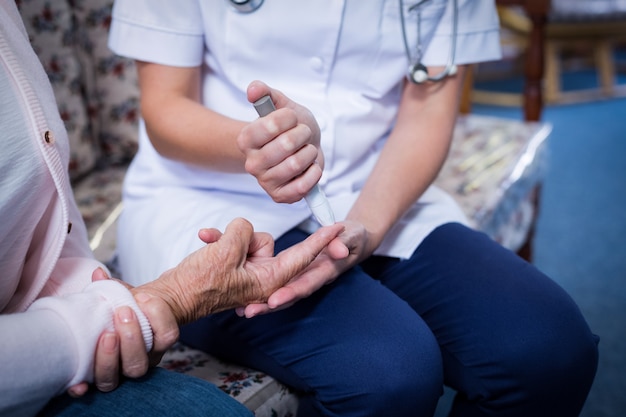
x=234 y=269
x=348 y=249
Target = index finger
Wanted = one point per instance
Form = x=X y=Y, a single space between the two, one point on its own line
x=299 y=257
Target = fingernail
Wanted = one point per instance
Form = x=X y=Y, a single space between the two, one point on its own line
x=76 y=392
x=109 y=342
x=125 y=314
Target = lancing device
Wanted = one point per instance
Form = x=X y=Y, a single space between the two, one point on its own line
x=316 y=199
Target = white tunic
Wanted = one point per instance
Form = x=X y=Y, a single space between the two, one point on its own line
x=343 y=59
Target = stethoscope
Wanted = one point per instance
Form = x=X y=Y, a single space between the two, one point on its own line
x=417 y=72
x=246 y=6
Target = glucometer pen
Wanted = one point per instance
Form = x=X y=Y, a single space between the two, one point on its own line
x=316 y=199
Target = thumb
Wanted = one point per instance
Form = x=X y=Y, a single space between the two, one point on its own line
x=258 y=89
x=209 y=235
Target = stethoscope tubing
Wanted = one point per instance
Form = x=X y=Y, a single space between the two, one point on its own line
x=417 y=72
x=416 y=65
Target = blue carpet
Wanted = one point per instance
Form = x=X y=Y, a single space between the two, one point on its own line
x=581 y=233
x=570 y=81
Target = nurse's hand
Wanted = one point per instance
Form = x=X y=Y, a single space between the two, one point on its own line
x=347 y=250
x=282 y=149
x=238 y=268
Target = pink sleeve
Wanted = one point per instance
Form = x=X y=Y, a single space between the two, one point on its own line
x=87 y=314
x=51 y=346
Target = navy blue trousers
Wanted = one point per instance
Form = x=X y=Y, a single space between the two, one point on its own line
x=384 y=338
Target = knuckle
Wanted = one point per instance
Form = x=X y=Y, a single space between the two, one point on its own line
x=127 y=334
x=170 y=337
x=295 y=165
x=153 y=307
x=288 y=142
x=281 y=197
x=301 y=188
x=242 y=140
x=252 y=166
x=135 y=369
x=106 y=386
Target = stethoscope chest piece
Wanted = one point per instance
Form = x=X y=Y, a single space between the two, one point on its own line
x=246 y=6
x=418 y=73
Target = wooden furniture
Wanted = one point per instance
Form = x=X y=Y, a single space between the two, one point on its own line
x=537 y=15
x=531 y=100
x=583 y=28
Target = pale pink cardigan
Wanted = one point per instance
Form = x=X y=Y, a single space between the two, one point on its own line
x=51 y=312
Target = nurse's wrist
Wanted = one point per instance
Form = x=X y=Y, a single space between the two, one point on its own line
x=374 y=233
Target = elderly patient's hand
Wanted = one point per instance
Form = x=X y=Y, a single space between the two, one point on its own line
x=234 y=269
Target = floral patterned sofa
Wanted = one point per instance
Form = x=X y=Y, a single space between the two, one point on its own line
x=493 y=168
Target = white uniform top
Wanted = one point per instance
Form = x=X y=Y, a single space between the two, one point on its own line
x=343 y=59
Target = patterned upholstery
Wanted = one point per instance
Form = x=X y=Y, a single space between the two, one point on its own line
x=493 y=167
x=96 y=91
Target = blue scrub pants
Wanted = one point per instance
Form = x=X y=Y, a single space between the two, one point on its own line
x=160 y=393
x=384 y=338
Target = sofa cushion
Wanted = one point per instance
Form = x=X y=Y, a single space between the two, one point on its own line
x=256 y=390
x=112 y=84
x=96 y=90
